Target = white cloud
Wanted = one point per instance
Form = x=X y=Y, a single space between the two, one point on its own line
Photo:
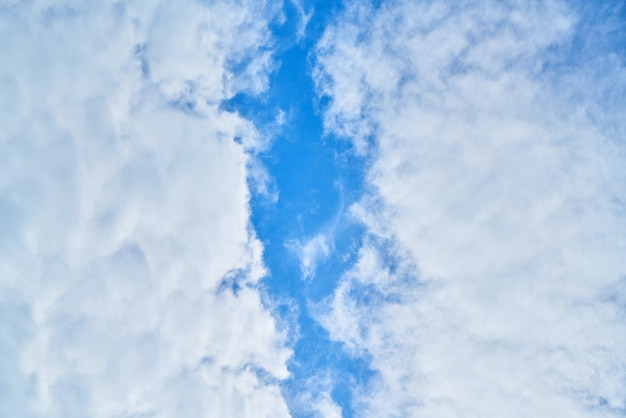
x=310 y=253
x=315 y=400
x=305 y=15
x=124 y=210
x=503 y=184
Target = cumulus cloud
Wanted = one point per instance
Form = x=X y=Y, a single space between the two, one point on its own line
x=487 y=282
x=128 y=266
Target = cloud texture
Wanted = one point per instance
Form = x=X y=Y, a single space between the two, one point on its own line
x=491 y=280
x=127 y=262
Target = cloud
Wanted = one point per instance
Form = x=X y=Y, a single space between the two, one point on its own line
x=310 y=253
x=315 y=400
x=487 y=281
x=124 y=210
x=304 y=14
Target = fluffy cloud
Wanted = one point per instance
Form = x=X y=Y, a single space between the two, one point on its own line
x=491 y=280
x=127 y=262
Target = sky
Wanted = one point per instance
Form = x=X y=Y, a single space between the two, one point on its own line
x=299 y=208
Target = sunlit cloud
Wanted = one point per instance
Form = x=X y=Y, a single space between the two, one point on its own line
x=495 y=212
x=124 y=204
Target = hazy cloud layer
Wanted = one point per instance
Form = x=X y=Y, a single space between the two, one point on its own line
x=127 y=263
x=491 y=281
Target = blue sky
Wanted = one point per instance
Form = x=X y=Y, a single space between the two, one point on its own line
x=312 y=209
x=315 y=177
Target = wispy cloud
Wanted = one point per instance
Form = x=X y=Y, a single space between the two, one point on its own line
x=495 y=213
x=310 y=253
x=124 y=206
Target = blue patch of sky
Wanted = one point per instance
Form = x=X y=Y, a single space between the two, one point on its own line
x=317 y=177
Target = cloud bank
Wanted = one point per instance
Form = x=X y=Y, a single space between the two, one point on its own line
x=128 y=267
x=491 y=279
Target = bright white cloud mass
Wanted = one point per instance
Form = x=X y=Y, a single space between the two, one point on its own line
x=473 y=263
x=124 y=207
x=496 y=208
